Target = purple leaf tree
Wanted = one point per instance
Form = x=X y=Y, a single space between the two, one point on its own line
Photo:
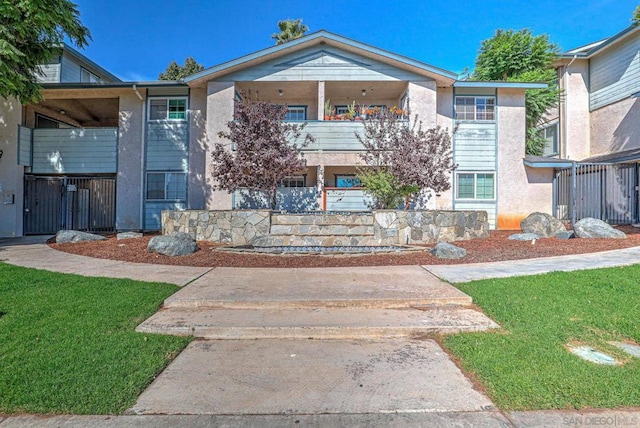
x=264 y=149
x=411 y=157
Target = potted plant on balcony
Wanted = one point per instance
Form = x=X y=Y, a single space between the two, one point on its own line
x=351 y=111
x=328 y=110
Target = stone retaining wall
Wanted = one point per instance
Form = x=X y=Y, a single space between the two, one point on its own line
x=383 y=227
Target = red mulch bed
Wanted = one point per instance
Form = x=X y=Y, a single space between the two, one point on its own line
x=495 y=248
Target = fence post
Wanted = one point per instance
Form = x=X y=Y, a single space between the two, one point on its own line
x=574 y=186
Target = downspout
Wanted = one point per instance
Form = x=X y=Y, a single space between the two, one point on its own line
x=135 y=89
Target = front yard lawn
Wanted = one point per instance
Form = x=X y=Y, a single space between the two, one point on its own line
x=527 y=366
x=68 y=345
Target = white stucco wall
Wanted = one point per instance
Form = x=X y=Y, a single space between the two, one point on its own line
x=220 y=97
x=574 y=111
x=130 y=181
x=616 y=127
x=423 y=102
x=520 y=190
x=11 y=174
x=197 y=182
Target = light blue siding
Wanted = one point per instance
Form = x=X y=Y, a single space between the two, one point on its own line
x=347 y=200
x=489 y=207
x=615 y=73
x=24 y=146
x=333 y=136
x=475 y=146
x=167 y=146
x=293 y=199
x=50 y=73
x=76 y=150
x=69 y=71
x=153 y=213
x=323 y=63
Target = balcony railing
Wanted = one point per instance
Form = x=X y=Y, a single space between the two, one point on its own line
x=333 y=135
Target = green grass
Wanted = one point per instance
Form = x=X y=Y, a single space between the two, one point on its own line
x=68 y=345
x=527 y=366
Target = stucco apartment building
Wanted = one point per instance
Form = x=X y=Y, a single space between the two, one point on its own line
x=102 y=154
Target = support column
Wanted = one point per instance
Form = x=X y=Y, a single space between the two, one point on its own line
x=321 y=100
x=320 y=186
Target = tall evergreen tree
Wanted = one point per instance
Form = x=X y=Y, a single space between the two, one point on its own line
x=519 y=56
x=31 y=33
x=290 y=29
x=175 y=71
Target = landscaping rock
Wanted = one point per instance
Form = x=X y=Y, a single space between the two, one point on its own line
x=565 y=235
x=444 y=250
x=178 y=244
x=594 y=228
x=128 y=235
x=543 y=225
x=524 y=237
x=64 y=236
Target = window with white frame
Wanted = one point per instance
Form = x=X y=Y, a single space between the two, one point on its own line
x=296 y=113
x=475 y=108
x=550 y=135
x=475 y=185
x=167 y=108
x=166 y=186
x=88 y=77
x=294 y=181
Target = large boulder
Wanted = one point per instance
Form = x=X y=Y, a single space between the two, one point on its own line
x=178 y=244
x=593 y=228
x=543 y=225
x=65 y=236
x=444 y=250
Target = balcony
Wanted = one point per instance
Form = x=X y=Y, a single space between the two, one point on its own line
x=333 y=136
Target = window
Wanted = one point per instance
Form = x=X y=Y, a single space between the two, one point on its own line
x=550 y=134
x=475 y=108
x=88 y=77
x=167 y=109
x=294 y=181
x=347 y=181
x=166 y=185
x=475 y=186
x=296 y=113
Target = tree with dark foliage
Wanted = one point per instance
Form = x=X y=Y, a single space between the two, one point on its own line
x=402 y=160
x=265 y=149
x=177 y=72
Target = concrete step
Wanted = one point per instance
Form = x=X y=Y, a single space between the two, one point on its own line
x=370 y=287
x=317 y=240
x=321 y=230
x=318 y=323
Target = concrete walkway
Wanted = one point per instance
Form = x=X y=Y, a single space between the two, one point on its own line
x=390 y=382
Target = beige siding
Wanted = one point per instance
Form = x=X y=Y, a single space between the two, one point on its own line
x=69 y=151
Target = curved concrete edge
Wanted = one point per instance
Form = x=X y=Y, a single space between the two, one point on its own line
x=32 y=252
x=476 y=271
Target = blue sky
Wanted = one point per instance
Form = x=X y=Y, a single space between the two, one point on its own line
x=137 y=39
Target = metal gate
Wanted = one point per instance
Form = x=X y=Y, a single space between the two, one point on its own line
x=604 y=191
x=71 y=203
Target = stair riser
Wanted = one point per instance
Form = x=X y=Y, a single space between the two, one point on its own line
x=323 y=333
x=312 y=304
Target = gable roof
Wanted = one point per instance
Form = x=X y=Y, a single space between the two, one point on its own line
x=321 y=37
x=93 y=66
x=587 y=51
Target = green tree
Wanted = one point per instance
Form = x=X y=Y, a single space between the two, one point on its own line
x=290 y=29
x=31 y=33
x=519 y=56
x=635 y=20
x=177 y=72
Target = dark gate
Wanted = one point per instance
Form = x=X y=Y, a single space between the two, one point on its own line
x=77 y=203
x=604 y=191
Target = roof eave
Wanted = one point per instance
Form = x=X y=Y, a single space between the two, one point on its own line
x=499 y=84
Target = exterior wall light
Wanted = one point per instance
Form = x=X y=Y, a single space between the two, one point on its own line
x=364 y=92
x=280 y=92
